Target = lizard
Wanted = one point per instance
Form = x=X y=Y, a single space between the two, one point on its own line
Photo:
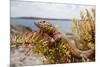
x=52 y=31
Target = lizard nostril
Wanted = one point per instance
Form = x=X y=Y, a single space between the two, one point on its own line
x=40 y=22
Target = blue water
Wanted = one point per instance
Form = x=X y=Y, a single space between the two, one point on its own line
x=62 y=25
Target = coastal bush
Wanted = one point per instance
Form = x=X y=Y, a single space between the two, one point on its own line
x=84 y=29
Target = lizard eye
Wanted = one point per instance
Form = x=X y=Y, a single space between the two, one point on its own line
x=43 y=21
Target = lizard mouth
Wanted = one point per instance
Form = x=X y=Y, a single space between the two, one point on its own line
x=37 y=24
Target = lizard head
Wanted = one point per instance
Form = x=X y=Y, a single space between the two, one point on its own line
x=45 y=26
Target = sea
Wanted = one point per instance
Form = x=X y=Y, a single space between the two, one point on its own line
x=62 y=25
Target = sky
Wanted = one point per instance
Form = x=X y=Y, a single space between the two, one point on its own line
x=49 y=10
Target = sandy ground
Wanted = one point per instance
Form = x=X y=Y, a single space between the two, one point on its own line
x=24 y=57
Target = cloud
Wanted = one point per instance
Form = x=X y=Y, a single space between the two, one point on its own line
x=49 y=10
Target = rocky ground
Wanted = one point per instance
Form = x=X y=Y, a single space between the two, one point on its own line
x=23 y=56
